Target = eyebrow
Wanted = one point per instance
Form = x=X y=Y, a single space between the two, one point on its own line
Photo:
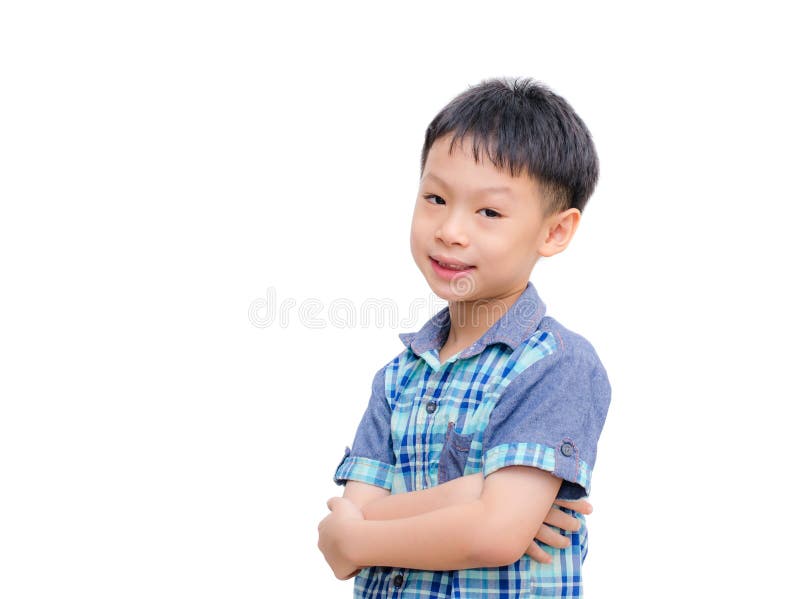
x=502 y=188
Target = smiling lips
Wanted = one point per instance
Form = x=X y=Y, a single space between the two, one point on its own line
x=447 y=268
x=451 y=263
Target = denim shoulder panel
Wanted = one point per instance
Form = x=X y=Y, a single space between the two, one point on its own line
x=550 y=414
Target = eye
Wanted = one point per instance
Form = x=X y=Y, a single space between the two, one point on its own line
x=491 y=213
x=434 y=197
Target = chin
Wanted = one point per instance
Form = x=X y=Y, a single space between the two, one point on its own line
x=461 y=289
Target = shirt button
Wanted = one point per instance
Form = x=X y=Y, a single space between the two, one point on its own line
x=431 y=407
x=398 y=580
x=566 y=449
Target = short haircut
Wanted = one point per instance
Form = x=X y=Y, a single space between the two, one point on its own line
x=525 y=128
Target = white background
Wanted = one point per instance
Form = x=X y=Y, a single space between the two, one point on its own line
x=164 y=165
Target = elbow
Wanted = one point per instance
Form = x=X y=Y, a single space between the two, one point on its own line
x=494 y=554
x=498 y=544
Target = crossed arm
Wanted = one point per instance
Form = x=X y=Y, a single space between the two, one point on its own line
x=468 y=522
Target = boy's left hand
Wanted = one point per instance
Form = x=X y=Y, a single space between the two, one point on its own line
x=332 y=535
x=558 y=519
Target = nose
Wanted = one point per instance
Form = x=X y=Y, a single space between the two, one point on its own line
x=452 y=229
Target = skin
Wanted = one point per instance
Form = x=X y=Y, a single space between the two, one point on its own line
x=478 y=214
x=376 y=503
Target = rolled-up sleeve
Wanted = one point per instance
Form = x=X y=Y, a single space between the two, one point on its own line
x=550 y=417
x=371 y=459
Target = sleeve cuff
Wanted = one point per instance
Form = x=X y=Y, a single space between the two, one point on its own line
x=563 y=463
x=365 y=470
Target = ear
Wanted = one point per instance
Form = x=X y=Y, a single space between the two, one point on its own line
x=559 y=229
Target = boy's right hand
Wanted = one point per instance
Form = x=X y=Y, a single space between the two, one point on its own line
x=333 y=536
x=558 y=519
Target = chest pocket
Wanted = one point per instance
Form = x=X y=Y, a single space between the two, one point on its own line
x=462 y=449
x=455 y=453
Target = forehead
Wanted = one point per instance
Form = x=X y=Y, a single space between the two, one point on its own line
x=458 y=166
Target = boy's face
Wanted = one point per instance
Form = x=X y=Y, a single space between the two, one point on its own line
x=478 y=215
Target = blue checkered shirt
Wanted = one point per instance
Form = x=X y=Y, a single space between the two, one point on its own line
x=528 y=392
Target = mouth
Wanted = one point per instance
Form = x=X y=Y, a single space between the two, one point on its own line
x=448 y=266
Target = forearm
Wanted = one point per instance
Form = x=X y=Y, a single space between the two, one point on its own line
x=404 y=505
x=444 y=539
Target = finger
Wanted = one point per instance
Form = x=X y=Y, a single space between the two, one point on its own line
x=549 y=536
x=582 y=506
x=538 y=554
x=563 y=520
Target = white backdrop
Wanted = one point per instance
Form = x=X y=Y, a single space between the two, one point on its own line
x=174 y=176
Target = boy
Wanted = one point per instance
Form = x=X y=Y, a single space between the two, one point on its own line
x=493 y=410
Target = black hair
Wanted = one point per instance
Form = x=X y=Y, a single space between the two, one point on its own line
x=524 y=127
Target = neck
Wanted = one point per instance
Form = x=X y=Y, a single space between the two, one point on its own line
x=469 y=320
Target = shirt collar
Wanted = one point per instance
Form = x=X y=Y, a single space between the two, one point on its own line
x=515 y=326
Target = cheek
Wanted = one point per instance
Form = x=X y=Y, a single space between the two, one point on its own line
x=420 y=226
x=417 y=236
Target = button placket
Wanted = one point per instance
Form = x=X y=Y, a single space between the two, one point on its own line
x=421 y=416
x=435 y=409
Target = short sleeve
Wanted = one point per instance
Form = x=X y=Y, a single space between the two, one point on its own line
x=371 y=459
x=550 y=417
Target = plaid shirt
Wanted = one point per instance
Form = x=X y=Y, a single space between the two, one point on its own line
x=528 y=392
